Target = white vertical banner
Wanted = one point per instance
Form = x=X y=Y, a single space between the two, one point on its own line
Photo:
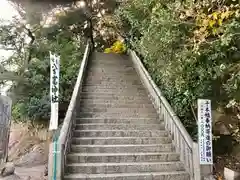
x=54 y=90
x=205 y=131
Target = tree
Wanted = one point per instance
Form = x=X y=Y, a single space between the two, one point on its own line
x=191 y=50
x=64 y=34
x=32 y=64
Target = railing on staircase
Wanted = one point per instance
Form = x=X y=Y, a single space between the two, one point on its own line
x=56 y=164
x=182 y=141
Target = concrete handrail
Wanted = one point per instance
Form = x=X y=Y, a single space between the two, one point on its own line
x=175 y=118
x=66 y=123
x=183 y=142
x=56 y=168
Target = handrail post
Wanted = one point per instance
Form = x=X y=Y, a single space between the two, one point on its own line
x=206 y=171
x=196 y=163
x=59 y=169
x=200 y=171
x=59 y=164
x=50 y=161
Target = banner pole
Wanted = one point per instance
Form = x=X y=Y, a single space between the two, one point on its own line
x=54 y=95
x=55 y=150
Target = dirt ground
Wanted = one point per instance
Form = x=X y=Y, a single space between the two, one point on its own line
x=28 y=173
x=28 y=150
x=227 y=150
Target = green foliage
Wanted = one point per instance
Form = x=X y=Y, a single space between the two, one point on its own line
x=65 y=36
x=33 y=96
x=190 y=49
x=31 y=91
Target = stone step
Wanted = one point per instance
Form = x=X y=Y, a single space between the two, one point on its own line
x=140 y=89
x=112 y=71
x=122 y=157
x=113 y=96
x=119 y=133
x=113 y=83
x=122 y=148
x=117 y=110
x=105 y=93
x=106 y=96
x=116 y=84
x=112 y=62
x=109 y=77
x=114 y=105
x=99 y=126
x=125 y=167
x=115 y=91
x=116 y=120
x=114 y=100
x=115 y=75
x=128 y=86
x=112 y=80
x=120 y=140
x=176 y=175
x=113 y=59
x=111 y=66
x=99 y=56
x=117 y=114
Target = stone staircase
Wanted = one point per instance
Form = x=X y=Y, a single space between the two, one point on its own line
x=118 y=133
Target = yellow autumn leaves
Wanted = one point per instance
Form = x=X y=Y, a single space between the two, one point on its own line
x=211 y=24
x=118 y=47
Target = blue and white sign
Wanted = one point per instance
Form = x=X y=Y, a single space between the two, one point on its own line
x=205 y=131
x=54 y=90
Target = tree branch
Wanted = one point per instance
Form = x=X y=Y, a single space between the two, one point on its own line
x=30 y=34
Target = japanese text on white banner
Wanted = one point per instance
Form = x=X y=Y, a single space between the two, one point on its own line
x=54 y=90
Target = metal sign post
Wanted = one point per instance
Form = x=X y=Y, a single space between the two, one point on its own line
x=54 y=95
x=205 y=136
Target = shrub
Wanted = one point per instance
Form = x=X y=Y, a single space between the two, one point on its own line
x=118 y=47
x=32 y=99
x=191 y=50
